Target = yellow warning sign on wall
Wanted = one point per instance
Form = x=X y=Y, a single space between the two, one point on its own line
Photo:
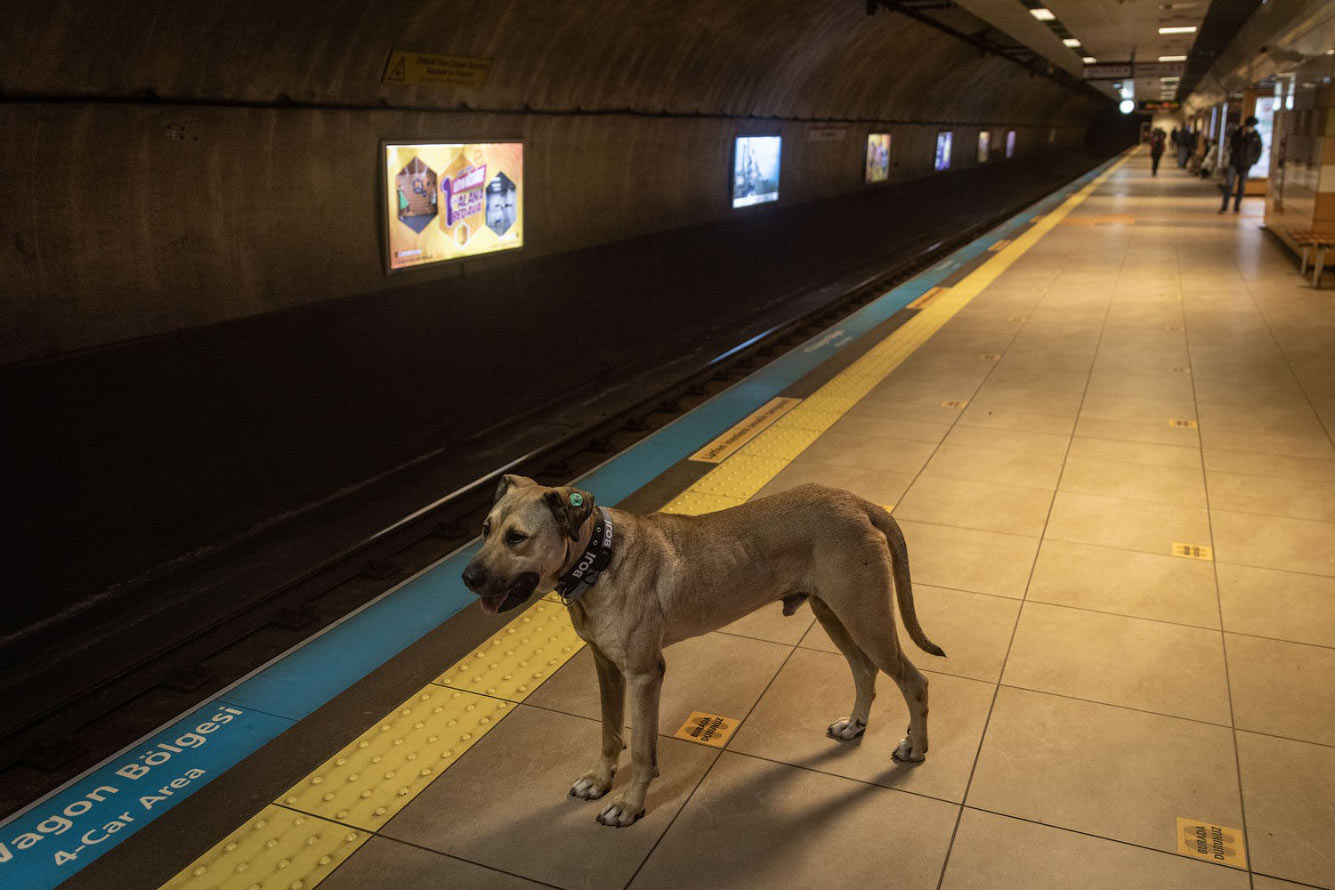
x=707 y=729
x=1214 y=843
x=407 y=67
x=751 y=426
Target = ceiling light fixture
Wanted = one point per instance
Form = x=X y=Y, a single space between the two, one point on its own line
x=1184 y=29
x=1172 y=58
x=1071 y=41
x=1043 y=14
x=1089 y=60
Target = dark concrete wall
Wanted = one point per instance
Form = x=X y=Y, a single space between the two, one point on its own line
x=168 y=165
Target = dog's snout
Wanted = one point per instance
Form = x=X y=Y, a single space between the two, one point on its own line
x=474 y=576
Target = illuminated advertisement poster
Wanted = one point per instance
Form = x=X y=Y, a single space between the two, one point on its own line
x=1010 y=143
x=447 y=201
x=878 y=157
x=1265 y=125
x=755 y=170
x=984 y=143
x=942 y=161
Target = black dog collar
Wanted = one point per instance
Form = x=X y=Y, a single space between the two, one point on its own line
x=592 y=561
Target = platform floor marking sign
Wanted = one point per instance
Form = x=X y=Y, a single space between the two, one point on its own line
x=955 y=403
x=1193 y=551
x=713 y=730
x=1213 y=843
x=750 y=426
x=1185 y=424
x=930 y=295
x=407 y=67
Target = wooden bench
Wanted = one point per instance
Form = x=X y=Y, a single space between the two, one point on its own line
x=1321 y=241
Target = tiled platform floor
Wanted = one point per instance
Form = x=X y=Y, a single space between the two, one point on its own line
x=1097 y=687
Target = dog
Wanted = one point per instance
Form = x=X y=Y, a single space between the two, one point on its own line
x=635 y=584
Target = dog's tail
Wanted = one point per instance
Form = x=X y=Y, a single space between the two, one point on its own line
x=899 y=563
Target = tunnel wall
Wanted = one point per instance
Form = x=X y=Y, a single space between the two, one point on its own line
x=173 y=165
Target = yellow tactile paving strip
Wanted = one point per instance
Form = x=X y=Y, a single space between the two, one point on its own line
x=379 y=773
x=518 y=658
x=278 y=849
x=369 y=781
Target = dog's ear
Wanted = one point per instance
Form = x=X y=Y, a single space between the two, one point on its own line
x=571 y=507
x=509 y=481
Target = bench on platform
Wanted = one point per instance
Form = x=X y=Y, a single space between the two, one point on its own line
x=1321 y=241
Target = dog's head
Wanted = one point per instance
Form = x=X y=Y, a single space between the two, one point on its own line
x=527 y=538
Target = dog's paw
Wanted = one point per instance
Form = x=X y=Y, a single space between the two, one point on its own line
x=908 y=753
x=618 y=814
x=846 y=730
x=590 y=787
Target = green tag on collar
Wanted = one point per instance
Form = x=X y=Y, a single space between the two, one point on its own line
x=576 y=499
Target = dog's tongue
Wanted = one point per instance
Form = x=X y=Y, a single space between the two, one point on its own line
x=492 y=604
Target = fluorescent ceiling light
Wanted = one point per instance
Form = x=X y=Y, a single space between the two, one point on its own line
x=1071 y=41
x=1042 y=14
x=1172 y=58
x=1089 y=60
x=1185 y=29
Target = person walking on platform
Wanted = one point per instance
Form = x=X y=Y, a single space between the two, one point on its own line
x=1244 y=149
x=1156 y=150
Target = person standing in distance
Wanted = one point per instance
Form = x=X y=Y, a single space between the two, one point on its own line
x=1156 y=150
x=1244 y=149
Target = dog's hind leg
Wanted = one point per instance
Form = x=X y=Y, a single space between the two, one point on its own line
x=864 y=675
x=612 y=687
x=872 y=627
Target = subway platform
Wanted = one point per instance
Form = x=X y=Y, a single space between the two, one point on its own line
x=1106 y=433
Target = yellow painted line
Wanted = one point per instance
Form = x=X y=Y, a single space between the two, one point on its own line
x=295 y=845
x=747 y=429
x=278 y=849
x=1000 y=244
x=1192 y=551
x=1213 y=843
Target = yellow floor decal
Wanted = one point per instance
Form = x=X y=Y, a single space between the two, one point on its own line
x=749 y=427
x=294 y=846
x=1213 y=843
x=1185 y=424
x=713 y=730
x=276 y=850
x=1193 y=551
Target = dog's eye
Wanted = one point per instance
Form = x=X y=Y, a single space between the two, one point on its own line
x=513 y=537
x=486 y=528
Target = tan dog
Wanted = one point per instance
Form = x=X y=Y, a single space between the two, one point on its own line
x=667 y=577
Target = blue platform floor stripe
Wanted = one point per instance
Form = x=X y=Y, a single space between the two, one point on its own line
x=88 y=816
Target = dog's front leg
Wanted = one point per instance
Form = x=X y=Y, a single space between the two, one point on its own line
x=612 y=688
x=645 y=686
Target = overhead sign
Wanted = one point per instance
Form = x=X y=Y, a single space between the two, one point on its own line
x=408 y=67
x=1125 y=70
x=1159 y=105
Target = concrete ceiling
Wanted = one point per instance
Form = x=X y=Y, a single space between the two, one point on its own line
x=1108 y=30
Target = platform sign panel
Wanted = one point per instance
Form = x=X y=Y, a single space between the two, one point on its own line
x=755 y=170
x=1010 y=143
x=942 y=158
x=450 y=200
x=984 y=145
x=1265 y=125
x=46 y=844
x=878 y=158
